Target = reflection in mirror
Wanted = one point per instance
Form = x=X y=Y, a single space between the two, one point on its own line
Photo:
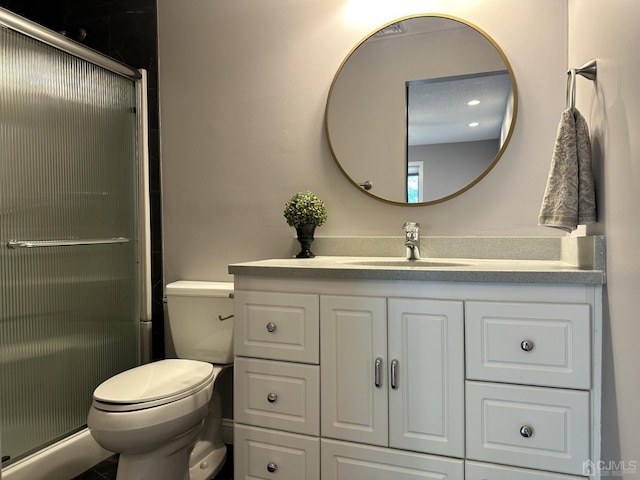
x=455 y=128
x=398 y=113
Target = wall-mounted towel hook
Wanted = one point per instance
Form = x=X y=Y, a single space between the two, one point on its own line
x=589 y=71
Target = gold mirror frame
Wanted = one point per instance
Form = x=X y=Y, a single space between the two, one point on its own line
x=501 y=151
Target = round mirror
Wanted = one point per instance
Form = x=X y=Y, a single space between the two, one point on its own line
x=421 y=110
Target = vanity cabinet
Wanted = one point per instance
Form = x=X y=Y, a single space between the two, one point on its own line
x=340 y=379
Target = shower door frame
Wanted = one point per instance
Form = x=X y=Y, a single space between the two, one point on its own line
x=31 y=29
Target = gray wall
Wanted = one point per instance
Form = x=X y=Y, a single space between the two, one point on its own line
x=609 y=32
x=449 y=167
x=243 y=87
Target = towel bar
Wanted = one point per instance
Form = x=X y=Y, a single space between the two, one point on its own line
x=13 y=244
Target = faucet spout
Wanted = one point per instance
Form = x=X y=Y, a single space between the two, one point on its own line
x=412 y=240
x=413 y=251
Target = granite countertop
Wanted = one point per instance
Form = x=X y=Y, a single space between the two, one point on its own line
x=437 y=269
x=551 y=260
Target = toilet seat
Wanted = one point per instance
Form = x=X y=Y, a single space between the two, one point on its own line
x=152 y=385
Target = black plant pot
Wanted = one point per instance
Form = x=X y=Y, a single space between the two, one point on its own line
x=305 y=237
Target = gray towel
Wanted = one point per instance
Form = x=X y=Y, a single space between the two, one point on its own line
x=569 y=199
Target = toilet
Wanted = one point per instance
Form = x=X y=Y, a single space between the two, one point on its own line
x=164 y=418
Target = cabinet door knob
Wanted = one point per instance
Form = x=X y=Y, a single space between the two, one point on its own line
x=527 y=345
x=272 y=398
x=272 y=467
x=271 y=327
x=526 y=431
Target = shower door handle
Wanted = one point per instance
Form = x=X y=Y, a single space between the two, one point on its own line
x=13 y=244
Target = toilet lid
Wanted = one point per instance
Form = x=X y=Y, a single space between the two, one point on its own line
x=155 y=381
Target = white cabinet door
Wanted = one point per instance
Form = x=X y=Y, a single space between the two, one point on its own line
x=345 y=461
x=426 y=361
x=353 y=350
x=411 y=397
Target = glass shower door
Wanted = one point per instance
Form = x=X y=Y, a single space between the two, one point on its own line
x=69 y=254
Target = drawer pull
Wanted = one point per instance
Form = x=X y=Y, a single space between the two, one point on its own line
x=526 y=431
x=272 y=467
x=272 y=398
x=271 y=327
x=394 y=374
x=527 y=345
x=377 y=375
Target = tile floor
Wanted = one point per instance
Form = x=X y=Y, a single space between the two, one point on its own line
x=107 y=469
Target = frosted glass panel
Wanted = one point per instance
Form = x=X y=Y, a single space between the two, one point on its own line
x=68 y=171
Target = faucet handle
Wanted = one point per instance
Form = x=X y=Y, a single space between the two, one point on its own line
x=411 y=227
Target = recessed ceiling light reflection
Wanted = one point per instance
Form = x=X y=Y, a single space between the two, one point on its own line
x=473 y=102
x=474 y=124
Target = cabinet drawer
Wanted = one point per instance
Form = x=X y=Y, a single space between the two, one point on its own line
x=529 y=343
x=278 y=326
x=351 y=461
x=558 y=423
x=280 y=395
x=485 y=471
x=267 y=454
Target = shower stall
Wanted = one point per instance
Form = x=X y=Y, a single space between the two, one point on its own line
x=74 y=240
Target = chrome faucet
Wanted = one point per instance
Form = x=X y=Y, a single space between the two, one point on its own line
x=412 y=240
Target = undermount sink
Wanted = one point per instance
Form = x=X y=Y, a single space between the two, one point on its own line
x=395 y=262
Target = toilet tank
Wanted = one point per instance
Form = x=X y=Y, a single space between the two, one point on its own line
x=200 y=317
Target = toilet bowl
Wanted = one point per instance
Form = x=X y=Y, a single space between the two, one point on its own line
x=164 y=418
